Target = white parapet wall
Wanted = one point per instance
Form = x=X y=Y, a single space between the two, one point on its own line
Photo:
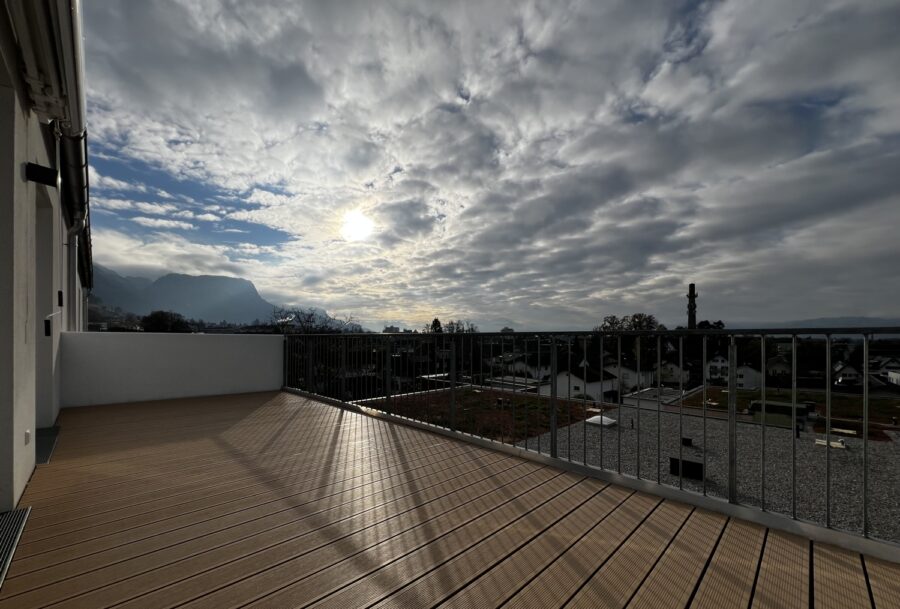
x=117 y=367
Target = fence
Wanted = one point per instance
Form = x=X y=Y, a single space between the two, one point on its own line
x=796 y=422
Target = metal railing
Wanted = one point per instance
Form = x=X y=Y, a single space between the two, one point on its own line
x=794 y=422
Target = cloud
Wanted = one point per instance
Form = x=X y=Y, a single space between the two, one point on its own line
x=538 y=164
x=162 y=223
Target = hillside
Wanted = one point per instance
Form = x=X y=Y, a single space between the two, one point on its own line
x=209 y=297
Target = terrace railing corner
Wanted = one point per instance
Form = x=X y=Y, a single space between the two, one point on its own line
x=785 y=424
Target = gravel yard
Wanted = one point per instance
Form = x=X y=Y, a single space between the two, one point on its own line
x=846 y=465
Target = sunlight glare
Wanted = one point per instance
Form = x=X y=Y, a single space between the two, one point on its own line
x=357 y=226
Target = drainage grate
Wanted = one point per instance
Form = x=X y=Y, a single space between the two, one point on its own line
x=11 y=526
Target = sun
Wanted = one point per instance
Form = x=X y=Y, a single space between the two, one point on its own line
x=357 y=226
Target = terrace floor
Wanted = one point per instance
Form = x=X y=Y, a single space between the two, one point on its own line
x=273 y=500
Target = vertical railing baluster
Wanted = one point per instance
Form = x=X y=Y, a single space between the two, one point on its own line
x=704 y=397
x=553 y=388
x=658 y=406
x=525 y=402
x=619 y=424
x=569 y=398
x=680 y=412
x=732 y=420
x=637 y=342
x=865 y=432
x=602 y=397
x=795 y=432
x=515 y=393
x=828 y=372
x=584 y=417
x=762 y=448
x=453 y=383
x=344 y=340
x=388 y=374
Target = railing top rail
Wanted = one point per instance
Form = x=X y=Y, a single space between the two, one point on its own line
x=853 y=331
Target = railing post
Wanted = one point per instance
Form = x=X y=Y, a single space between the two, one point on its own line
x=344 y=369
x=553 y=387
x=453 y=383
x=309 y=364
x=388 y=373
x=284 y=361
x=732 y=421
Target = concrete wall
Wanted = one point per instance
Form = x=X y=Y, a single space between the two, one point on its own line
x=114 y=367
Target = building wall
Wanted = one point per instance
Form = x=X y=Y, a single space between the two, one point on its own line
x=893 y=376
x=112 y=368
x=31 y=231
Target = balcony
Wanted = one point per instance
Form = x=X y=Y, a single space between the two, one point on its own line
x=344 y=490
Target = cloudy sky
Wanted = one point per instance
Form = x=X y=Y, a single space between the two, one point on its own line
x=534 y=164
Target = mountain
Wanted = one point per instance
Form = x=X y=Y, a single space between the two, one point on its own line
x=209 y=297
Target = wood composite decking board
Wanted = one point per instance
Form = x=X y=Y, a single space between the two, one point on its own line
x=616 y=581
x=281 y=453
x=494 y=586
x=483 y=544
x=728 y=581
x=671 y=582
x=884 y=579
x=839 y=580
x=562 y=579
x=234 y=542
x=323 y=485
x=245 y=475
x=784 y=573
x=173 y=583
x=276 y=500
x=359 y=467
x=48 y=552
x=475 y=516
x=250 y=523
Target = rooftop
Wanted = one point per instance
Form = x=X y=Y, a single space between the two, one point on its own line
x=275 y=500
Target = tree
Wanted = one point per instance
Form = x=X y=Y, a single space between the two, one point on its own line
x=310 y=321
x=456 y=327
x=710 y=325
x=164 y=321
x=635 y=321
x=436 y=327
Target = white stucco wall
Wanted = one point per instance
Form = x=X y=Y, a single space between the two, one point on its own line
x=113 y=367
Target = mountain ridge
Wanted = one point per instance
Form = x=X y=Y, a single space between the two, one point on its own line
x=212 y=298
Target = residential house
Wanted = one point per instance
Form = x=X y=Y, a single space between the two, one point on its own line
x=717 y=368
x=591 y=383
x=747 y=377
x=671 y=372
x=778 y=366
x=629 y=379
x=845 y=374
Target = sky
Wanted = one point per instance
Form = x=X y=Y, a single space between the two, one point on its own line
x=525 y=163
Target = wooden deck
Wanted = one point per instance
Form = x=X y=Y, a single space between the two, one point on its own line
x=272 y=500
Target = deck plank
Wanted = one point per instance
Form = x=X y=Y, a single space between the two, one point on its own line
x=838 y=579
x=671 y=582
x=272 y=499
x=558 y=582
x=502 y=581
x=615 y=582
x=728 y=581
x=784 y=573
x=884 y=579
